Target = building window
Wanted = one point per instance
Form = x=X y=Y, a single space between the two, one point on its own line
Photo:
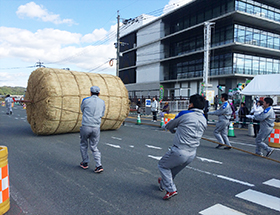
x=252 y=65
x=128 y=76
x=260 y=10
x=215 y=9
x=222 y=35
x=256 y=37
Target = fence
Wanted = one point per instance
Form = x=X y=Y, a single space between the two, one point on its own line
x=176 y=106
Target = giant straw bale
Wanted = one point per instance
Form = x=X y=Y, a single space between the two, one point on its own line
x=57 y=94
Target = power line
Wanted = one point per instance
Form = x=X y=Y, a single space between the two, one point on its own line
x=17 y=68
x=104 y=40
x=99 y=66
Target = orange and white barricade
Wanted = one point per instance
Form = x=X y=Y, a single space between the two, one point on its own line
x=168 y=117
x=4 y=181
x=274 y=139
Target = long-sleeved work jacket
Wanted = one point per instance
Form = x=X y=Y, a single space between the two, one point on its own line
x=93 y=109
x=189 y=126
x=266 y=118
x=224 y=112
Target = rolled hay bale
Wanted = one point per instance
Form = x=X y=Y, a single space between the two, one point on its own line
x=57 y=95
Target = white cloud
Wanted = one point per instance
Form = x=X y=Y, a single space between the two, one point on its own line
x=50 y=45
x=174 y=4
x=21 y=42
x=54 y=47
x=32 y=10
x=97 y=34
x=13 y=79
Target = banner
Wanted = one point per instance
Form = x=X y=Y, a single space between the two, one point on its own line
x=161 y=93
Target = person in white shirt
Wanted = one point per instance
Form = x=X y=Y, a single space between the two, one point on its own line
x=154 y=109
x=256 y=110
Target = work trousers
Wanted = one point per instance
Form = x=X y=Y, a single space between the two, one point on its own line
x=261 y=137
x=256 y=127
x=90 y=136
x=154 y=115
x=172 y=163
x=9 y=109
x=221 y=132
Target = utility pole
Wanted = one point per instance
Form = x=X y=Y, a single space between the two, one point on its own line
x=39 y=64
x=207 y=43
x=118 y=45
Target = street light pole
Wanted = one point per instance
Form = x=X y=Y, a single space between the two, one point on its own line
x=118 y=45
x=207 y=42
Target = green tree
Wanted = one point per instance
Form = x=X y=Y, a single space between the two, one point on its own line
x=5 y=90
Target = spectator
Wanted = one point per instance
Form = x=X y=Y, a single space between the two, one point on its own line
x=154 y=109
x=216 y=102
x=165 y=109
x=233 y=115
x=256 y=110
x=243 y=111
x=138 y=106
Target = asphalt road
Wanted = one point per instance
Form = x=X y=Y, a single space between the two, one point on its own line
x=45 y=177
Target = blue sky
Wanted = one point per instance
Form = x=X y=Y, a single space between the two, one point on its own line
x=75 y=34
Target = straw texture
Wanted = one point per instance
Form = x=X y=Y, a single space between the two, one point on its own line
x=57 y=94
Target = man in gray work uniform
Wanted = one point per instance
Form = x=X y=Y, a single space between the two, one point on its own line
x=221 y=130
x=93 y=109
x=189 y=126
x=266 y=118
x=9 y=101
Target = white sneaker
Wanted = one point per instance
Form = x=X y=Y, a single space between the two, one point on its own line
x=260 y=154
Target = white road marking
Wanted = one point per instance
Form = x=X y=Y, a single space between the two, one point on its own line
x=131 y=146
x=16 y=118
x=262 y=199
x=115 y=146
x=153 y=147
x=219 y=209
x=155 y=157
x=209 y=173
x=222 y=177
x=235 y=180
x=209 y=160
x=116 y=138
x=273 y=182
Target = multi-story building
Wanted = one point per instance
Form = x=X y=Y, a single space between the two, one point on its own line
x=169 y=51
